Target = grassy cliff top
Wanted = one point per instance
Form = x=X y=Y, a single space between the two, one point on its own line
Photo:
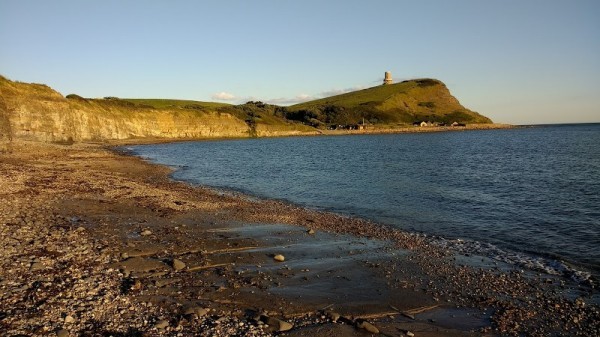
x=401 y=103
x=376 y=94
x=158 y=103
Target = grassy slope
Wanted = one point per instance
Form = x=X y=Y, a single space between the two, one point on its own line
x=356 y=98
x=174 y=103
x=405 y=102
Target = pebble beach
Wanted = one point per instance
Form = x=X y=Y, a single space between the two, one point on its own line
x=96 y=242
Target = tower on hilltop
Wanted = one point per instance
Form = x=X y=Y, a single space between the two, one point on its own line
x=388 y=78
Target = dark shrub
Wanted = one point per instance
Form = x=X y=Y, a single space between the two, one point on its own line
x=427 y=82
x=76 y=97
x=430 y=105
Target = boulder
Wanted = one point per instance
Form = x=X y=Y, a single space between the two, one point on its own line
x=195 y=310
x=276 y=324
x=162 y=324
x=367 y=326
x=178 y=264
x=62 y=333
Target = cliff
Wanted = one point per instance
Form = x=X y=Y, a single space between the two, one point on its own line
x=37 y=112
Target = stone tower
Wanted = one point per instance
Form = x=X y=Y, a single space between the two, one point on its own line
x=388 y=78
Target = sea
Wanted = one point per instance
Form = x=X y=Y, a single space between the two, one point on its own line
x=527 y=196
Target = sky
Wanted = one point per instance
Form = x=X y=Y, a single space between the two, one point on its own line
x=515 y=61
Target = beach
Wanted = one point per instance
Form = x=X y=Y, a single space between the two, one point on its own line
x=97 y=242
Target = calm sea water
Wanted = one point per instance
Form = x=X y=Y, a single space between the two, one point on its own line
x=529 y=196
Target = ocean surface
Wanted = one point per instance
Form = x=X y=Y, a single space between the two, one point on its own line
x=527 y=196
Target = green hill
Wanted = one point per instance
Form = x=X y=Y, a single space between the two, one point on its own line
x=402 y=103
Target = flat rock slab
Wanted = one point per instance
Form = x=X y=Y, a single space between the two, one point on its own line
x=387 y=329
x=165 y=282
x=144 y=250
x=139 y=264
x=327 y=330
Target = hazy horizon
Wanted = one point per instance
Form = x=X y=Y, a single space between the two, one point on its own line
x=517 y=62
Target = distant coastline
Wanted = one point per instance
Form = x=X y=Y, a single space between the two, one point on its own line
x=373 y=131
x=36 y=112
x=554 y=124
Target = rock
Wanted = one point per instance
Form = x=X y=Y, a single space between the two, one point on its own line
x=137 y=285
x=278 y=325
x=178 y=264
x=201 y=312
x=367 y=326
x=36 y=266
x=146 y=232
x=138 y=264
x=162 y=324
x=124 y=256
x=279 y=258
x=409 y=334
x=310 y=231
x=333 y=316
x=165 y=282
x=347 y=319
x=62 y=333
x=196 y=310
x=69 y=319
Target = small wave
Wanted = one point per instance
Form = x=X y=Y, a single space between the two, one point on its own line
x=535 y=263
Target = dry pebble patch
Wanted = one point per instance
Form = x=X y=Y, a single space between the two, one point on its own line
x=74 y=293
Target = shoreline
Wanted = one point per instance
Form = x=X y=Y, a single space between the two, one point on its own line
x=135 y=222
x=555 y=265
x=550 y=265
x=317 y=133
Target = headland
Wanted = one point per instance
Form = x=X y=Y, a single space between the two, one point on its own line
x=36 y=112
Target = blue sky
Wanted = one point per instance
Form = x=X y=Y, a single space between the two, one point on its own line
x=516 y=61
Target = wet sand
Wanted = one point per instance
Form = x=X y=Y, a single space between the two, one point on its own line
x=96 y=242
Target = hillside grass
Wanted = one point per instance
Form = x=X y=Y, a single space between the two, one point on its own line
x=133 y=106
x=401 y=103
x=361 y=97
x=174 y=103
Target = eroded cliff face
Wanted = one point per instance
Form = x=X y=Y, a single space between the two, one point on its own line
x=36 y=112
